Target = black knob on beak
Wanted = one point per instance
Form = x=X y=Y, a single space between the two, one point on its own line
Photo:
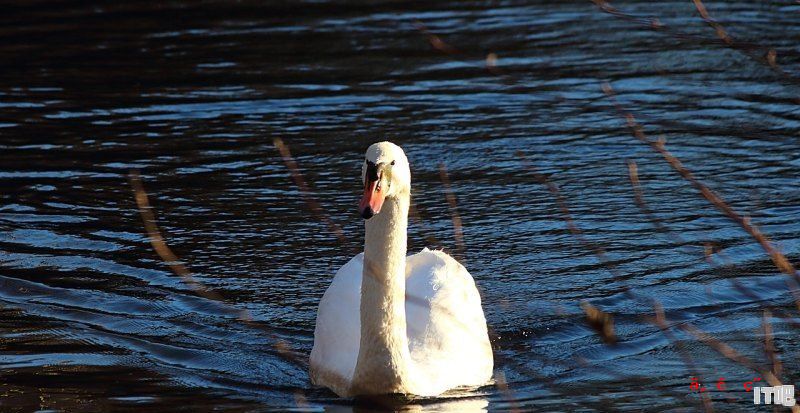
x=367 y=213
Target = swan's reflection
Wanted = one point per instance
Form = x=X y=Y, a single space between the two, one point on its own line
x=389 y=404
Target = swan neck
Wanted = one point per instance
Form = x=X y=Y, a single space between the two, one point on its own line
x=385 y=242
x=383 y=357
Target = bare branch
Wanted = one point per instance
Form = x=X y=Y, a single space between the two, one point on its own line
x=165 y=253
x=458 y=229
x=769 y=344
x=306 y=192
x=776 y=256
x=660 y=321
x=160 y=246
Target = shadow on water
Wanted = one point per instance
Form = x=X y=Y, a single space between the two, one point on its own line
x=193 y=97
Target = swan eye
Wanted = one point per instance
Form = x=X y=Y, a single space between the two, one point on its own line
x=392 y=162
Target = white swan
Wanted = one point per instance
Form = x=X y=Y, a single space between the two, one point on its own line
x=395 y=324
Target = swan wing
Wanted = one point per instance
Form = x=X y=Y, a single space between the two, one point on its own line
x=448 y=339
x=446 y=327
x=338 y=330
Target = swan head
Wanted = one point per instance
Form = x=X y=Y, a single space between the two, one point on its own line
x=385 y=174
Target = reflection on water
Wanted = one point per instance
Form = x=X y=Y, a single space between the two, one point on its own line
x=467 y=403
x=193 y=97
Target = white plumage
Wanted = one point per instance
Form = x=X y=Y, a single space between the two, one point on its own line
x=411 y=325
x=446 y=328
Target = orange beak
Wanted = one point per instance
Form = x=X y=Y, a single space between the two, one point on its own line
x=372 y=201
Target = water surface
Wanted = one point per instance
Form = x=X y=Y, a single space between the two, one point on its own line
x=193 y=97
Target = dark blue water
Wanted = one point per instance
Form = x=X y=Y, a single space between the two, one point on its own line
x=193 y=97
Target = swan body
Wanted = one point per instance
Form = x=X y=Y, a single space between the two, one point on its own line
x=389 y=323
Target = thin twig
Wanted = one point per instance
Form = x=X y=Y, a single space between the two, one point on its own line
x=170 y=259
x=458 y=230
x=502 y=384
x=601 y=321
x=160 y=246
x=415 y=212
x=573 y=228
x=770 y=57
x=436 y=41
x=721 y=32
x=660 y=320
x=633 y=174
x=725 y=350
x=729 y=352
x=758 y=53
x=769 y=344
x=490 y=61
x=306 y=192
